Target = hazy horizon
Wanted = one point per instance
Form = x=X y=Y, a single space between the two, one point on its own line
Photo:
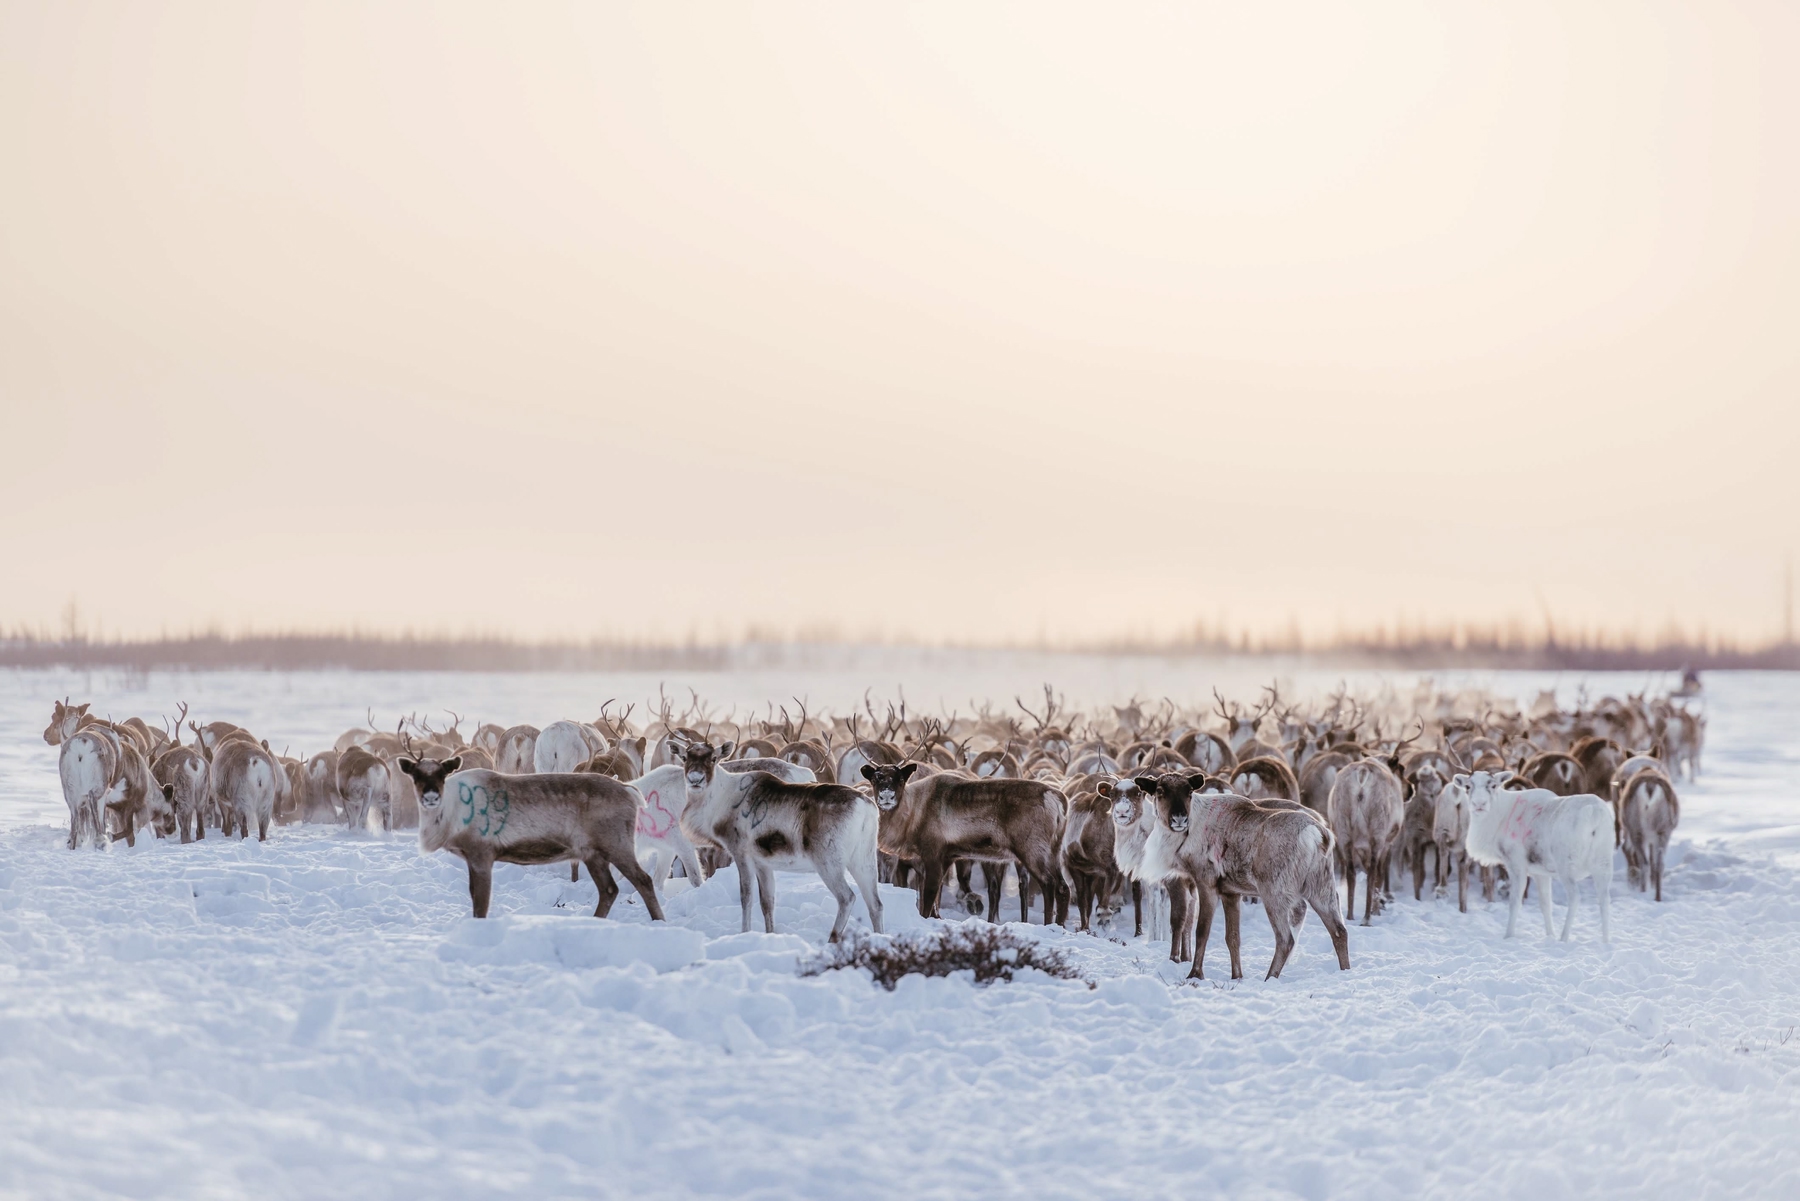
x=947 y=323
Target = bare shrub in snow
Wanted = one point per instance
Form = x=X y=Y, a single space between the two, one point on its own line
x=991 y=952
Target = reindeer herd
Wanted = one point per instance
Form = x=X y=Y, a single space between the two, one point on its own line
x=1180 y=811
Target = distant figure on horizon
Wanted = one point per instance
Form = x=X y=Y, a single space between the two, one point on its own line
x=1690 y=683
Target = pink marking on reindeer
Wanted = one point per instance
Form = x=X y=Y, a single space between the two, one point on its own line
x=654 y=820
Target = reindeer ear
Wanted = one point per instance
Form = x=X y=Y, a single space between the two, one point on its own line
x=1147 y=783
x=726 y=748
x=1197 y=780
x=168 y=792
x=1503 y=777
x=453 y=763
x=907 y=771
x=410 y=767
x=1104 y=788
x=868 y=772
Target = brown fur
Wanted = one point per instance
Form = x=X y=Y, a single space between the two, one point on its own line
x=1232 y=847
x=1366 y=814
x=181 y=771
x=1265 y=776
x=1648 y=813
x=768 y=824
x=487 y=818
x=1560 y=773
x=1087 y=851
x=949 y=816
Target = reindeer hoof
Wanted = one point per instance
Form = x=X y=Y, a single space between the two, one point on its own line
x=972 y=905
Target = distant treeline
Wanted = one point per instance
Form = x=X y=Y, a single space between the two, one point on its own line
x=361 y=652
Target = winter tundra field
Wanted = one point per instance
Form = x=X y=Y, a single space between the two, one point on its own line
x=318 y=1015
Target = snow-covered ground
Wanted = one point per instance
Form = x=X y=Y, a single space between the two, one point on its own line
x=318 y=1016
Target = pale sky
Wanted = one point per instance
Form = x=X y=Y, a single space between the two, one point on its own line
x=967 y=321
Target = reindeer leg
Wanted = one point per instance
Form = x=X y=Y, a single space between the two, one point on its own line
x=965 y=888
x=638 y=878
x=931 y=882
x=839 y=887
x=994 y=876
x=765 y=888
x=600 y=869
x=1137 y=908
x=745 y=883
x=1233 y=911
x=1544 y=900
x=1323 y=900
x=868 y=882
x=1284 y=938
x=481 y=886
x=690 y=861
x=1181 y=913
x=1203 y=913
x=1369 y=872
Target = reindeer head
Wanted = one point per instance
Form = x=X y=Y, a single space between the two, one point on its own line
x=889 y=782
x=1170 y=793
x=1484 y=789
x=64 y=722
x=428 y=776
x=699 y=758
x=1127 y=800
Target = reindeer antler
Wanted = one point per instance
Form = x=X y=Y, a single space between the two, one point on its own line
x=1219 y=705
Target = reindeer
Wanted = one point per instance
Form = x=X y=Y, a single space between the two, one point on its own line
x=950 y=816
x=1536 y=833
x=563 y=745
x=1133 y=823
x=1264 y=776
x=517 y=755
x=181 y=773
x=364 y=783
x=768 y=824
x=1648 y=812
x=1231 y=847
x=245 y=779
x=1089 y=866
x=485 y=818
x=1366 y=813
x=103 y=772
x=323 y=802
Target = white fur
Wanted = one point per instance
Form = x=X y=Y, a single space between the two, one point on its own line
x=1536 y=834
x=662 y=795
x=565 y=745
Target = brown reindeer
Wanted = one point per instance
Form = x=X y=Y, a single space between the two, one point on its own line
x=949 y=816
x=487 y=818
x=1366 y=813
x=1087 y=856
x=1232 y=847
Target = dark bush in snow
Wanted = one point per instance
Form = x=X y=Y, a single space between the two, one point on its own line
x=991 y=952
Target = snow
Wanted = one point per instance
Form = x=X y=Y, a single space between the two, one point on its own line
x=319 y=1015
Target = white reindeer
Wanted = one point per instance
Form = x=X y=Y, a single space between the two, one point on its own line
x=1536 y=834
